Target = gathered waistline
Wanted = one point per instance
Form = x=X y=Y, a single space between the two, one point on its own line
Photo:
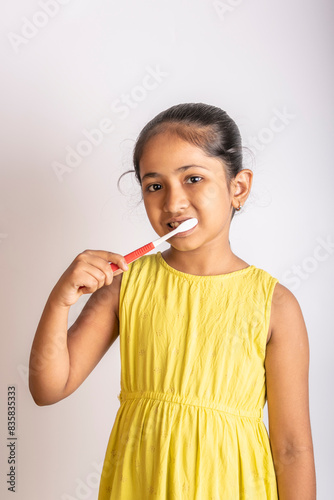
x=188 y=401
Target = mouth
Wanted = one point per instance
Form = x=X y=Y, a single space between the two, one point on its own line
x=174 y=224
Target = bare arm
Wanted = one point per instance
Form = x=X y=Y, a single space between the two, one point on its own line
x=287 y=366
x=61 y=360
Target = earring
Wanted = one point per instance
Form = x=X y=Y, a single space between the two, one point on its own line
x=239 y=207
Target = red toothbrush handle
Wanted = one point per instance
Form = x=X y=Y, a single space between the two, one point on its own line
x=130 y=257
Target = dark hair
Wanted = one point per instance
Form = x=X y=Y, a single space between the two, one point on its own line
x=203 y=125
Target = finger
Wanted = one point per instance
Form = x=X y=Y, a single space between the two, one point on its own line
x=89 y=283
x=104 y=254
x=118 y=271
x=119 y=260
x=104 y=266
x=94 y=266
x=93 y=275
x=114 y=258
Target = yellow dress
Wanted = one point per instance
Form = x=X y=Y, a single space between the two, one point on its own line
x=189 y=425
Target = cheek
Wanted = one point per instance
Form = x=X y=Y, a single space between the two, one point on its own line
x=151 y=211
x=148 y=206
x=212 y=195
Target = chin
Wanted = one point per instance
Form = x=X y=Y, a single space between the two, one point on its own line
x=183 y=246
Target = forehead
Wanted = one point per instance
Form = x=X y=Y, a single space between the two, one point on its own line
x=166 y=152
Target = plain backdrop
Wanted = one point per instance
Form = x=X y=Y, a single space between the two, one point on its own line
x=72 y=67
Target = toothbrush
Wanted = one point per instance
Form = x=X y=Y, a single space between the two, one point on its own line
x=130 y=257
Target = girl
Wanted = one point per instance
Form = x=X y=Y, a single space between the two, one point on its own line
x=205 y=337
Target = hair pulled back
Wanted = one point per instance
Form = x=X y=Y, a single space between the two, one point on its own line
x=207 y=127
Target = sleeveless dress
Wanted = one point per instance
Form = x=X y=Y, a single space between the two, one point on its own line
x=189 y=425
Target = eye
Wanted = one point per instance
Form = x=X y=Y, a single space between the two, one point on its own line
x=195 y=177
x=152 y=186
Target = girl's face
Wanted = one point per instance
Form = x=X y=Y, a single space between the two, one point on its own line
x=180 y=181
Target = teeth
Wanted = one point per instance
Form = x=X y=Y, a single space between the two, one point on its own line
x=174 y=224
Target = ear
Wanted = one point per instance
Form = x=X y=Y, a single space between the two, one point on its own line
x=240 y=187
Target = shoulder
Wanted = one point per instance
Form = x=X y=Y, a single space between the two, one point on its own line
x=108 y=296
x=286 y=315
x=288 y=340
x=282 y=294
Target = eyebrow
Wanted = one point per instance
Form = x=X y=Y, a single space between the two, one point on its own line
x=154 y=175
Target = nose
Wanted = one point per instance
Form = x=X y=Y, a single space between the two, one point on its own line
x=175 y=199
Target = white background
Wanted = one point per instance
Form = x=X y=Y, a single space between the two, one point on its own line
x=255 y=59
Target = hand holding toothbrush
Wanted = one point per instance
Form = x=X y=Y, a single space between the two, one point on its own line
x=93 y=269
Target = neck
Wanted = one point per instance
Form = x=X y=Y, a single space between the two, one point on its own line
x=203 y=261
